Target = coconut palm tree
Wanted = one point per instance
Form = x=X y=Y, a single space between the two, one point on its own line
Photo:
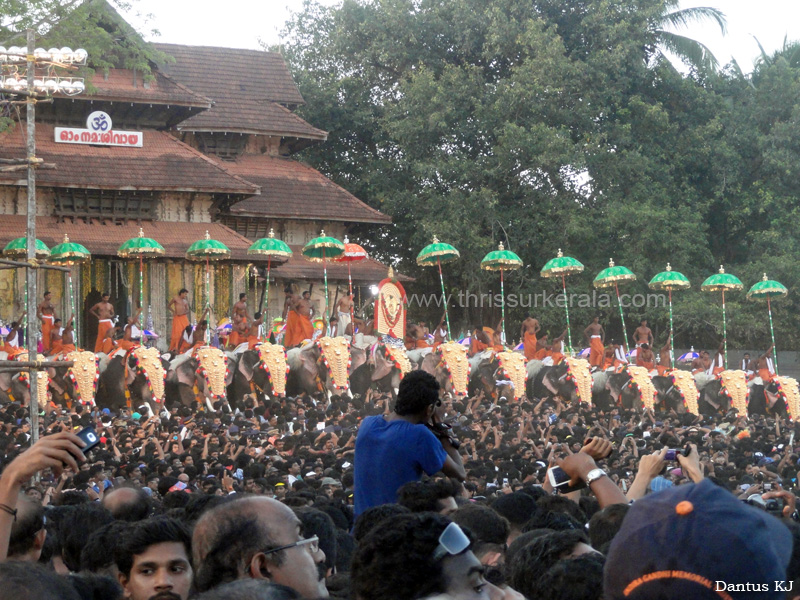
x=691 y=52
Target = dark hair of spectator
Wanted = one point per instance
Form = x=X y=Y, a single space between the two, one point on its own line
x=418 y=390
x=138 y=537
x=373 y=516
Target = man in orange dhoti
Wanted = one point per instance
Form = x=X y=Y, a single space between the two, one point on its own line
x=645 y=358
x=47 y=315
x=298 y=320
x=765 y=367
x=478 y=342
x=103 y=311
x=67 y=342
x=55 y=338
x=595 y=337
x=530 y=327
x=11 y=346
x=179 y=306
x=718 y=364
x=664 y=362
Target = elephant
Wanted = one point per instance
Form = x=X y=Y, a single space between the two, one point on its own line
x=498 y=374
x=309 y=373
x=449 y=365
x=554 y=378
x=12 y=389
x=76 y=383
x=258 y=371
x=712 y=400
x=140 y=373
x=668 y=395
x=381 y=370
x=766 y=400
x=205 y=374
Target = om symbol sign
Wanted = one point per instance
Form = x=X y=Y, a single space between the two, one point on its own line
x=98 y=121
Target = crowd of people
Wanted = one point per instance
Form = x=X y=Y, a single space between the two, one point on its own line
x=376 y=499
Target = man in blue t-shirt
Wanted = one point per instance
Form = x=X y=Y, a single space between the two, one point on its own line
x=394 y=450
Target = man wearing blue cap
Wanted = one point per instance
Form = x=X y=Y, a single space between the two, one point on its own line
x=697 y=541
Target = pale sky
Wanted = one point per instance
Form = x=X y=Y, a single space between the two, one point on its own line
x=240 y=23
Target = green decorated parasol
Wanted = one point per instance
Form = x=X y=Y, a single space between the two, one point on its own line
x=722 y=282
x=670 y=280
x=561 y=266
x=322 y=249
x=502 y=260
x=207 y=249
x=18 y=249
x=139 y=247
x=436 y=254
x=274 y=250
x=613 y=275
x=766 y=289
x=70 y=253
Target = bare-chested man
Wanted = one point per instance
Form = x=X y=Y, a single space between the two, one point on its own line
x=179 y=306
x=527 y=336
x=132 y=335
x=765 y=367
x=343 y=308
x=240 y=309
x=643 y=335
x=440 y=333
x=68 y=337
x=103 y=311
x=595 y=339
x=298 y=319
x=55 y=337
x=13 y=341
x=664 y=358
x=645 y=357
x=46 y=313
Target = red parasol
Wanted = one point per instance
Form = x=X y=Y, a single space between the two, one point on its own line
x=352 y=253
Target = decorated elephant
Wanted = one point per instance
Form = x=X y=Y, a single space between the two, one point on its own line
x=499 y=374
x=383 y=369
x=201 y=377
x=449 y=364
x=15 y=386
x=571 y=380
x=262 y=371
x=133 y=379
x=77 y=383
x=323 y=365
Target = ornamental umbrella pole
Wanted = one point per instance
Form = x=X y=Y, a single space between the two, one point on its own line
x=438 y=253
x=670 y=280
x=68 y=254
x=139 y=247
x=612 y=276
x=321 y=249
x=208 y=249
x=352 y=253
x=276 y=251
x=562 y=266
x=17 y=249
x=719 y=283
x=500 y=260
x=767 y=288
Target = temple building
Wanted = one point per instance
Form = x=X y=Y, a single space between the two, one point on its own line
x=207 y=144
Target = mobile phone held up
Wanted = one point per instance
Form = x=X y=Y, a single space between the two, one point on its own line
x=559 y=481
x=90 y=437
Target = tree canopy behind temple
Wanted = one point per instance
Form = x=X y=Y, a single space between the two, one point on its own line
x=547 y=125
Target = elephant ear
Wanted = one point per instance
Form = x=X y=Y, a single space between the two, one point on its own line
x=131 y=371
x=429 y=363
x=383 y=366
x=357 y=358
x=247 y=364
x=309 y=361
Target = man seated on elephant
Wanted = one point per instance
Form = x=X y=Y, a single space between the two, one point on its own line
x=54 y=345
x=132 y=336
x=109 y=341
x=765 y=367
x=645 y=358
x=717 y=366
x=665 y=359
x=479 y=341
x=66 y=341
x=254 y=334
x=13 y=340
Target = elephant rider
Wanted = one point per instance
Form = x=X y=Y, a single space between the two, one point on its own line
x=608 y=357
x=199 y=333
x=103 y=311
x=664 y=359
x=497 y=338
x=645 y=358
x=595 y=339
x=179 y=306
x=718 y=365
x=344 y=307
x=643 y=335
x=620 y=360
x=415 y=337
x=132 y=336
x=298 y=319
x=556 y=351
x=748 y=366
x=54 y=347
x=67 y=341
x=530 y=327
x=702 y=363
x=765 y=366
x=109 y=343
x=13 y=339
x=440 y=333
x=542 y=348
x=333 y=328
x=479 y=341
x=47 y=315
